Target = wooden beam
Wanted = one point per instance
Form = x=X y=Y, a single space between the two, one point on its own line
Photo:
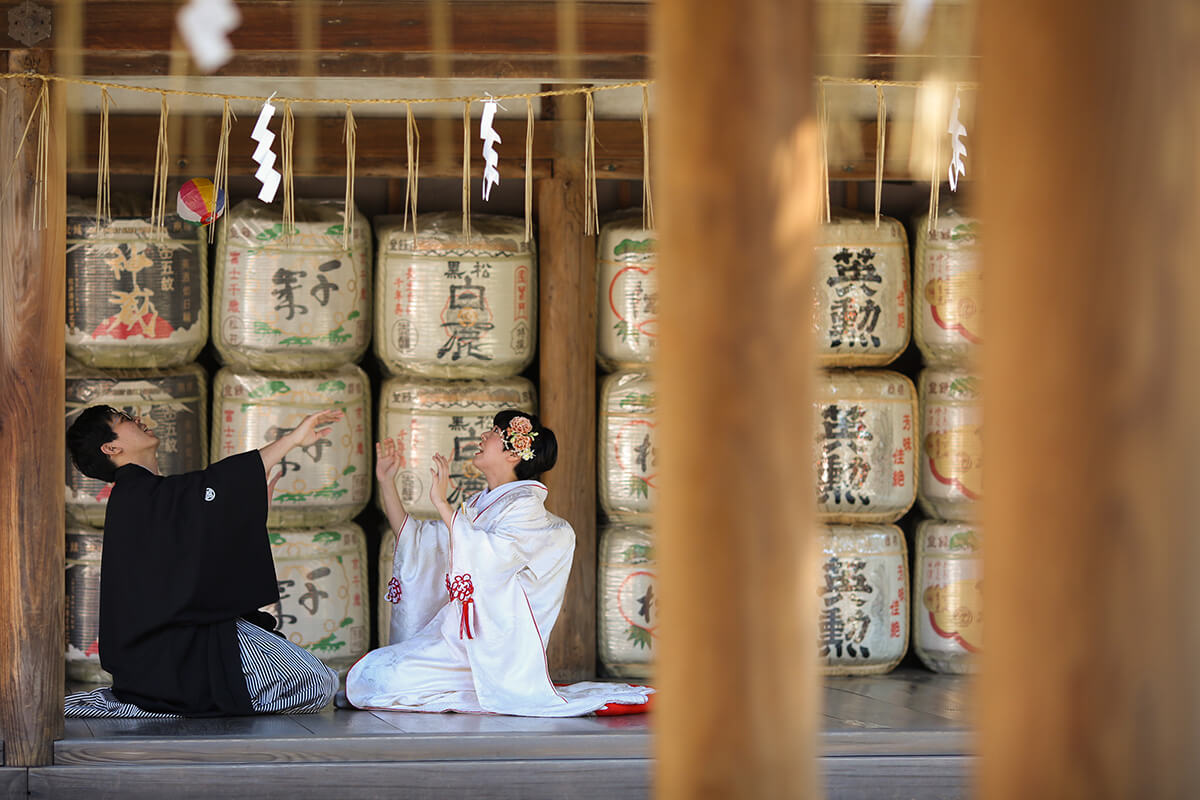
x=32 y=363
x=567 y=388
x=1088 y=680
x=737 y=667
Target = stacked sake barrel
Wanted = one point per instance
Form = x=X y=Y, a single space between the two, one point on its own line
x=136 y=319
x=627 y=330
x=865 y=426
x=455 y=326
x=947 y=613
x=291 y=315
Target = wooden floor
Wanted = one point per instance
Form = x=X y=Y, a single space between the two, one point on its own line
x=897 y=736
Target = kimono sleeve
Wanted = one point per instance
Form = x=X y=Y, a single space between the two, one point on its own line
x=419 y=566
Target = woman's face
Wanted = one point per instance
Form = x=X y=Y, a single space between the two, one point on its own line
x=491 y=450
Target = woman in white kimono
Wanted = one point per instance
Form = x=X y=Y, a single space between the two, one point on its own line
x=477 y=593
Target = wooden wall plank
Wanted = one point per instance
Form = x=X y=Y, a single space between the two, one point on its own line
x=32 y=374
x=1088 y=681
x=736 y=206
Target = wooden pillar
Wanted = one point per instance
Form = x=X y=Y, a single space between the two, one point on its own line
x=567 y=393
x=736 y=205
x=1090 y=206
x=32 y=323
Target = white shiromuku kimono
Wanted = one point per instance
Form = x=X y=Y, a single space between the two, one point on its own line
x=475 y=610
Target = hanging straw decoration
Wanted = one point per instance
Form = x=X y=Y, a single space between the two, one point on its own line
x=880 y=144
x=42 y=167
x=103 y=184
x=823 y=124
x=414 y=166
x=466 y=176
x=221 y=171
x=33 y=114
x=162 y=166
x=934 y=183
x=528 y=169
x=289 y=194
x=349 y=136
x=647 y=198
x=591 y=214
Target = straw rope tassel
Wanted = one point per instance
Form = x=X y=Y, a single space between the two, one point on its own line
x=103 y=179
x=934 y=183
x=42 y=166
x=350 y=136
x=647 y=197
x=33 y=114
x=466 y=174
x=158 y=201
x=414 y=166
x=289 y=197
x=221 y=171
x=528 y=169
x=880 y=144
x=591 y=215
x=823 y=124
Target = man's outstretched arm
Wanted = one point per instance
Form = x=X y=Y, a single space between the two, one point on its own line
x=310 y=429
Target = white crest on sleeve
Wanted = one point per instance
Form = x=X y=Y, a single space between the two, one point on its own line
x=209 y=494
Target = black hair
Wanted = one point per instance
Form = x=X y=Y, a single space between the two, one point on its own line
x=90 y=431
x=545 y=445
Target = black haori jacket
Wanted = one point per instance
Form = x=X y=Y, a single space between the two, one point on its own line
x=184 y=557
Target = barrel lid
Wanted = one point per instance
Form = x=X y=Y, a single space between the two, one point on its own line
x=428 y=394
x=629 y=392
x=848 y=227
x=951 y=229
x=864 y=384
x=441 y=233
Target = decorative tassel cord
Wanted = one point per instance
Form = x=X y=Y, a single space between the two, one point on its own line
x=162 y=167
x=221 y=171
x=103 y=178
x=289 y=195
x=823 y=123
x=42 y=165
x=466 y=173
x=647 y=197
x=528 y=170
x=934 y=183
x=350 y=136
x=414 y=165
x=880 y=144
x=591 y=214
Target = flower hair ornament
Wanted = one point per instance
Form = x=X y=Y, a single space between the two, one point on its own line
x=518 y=437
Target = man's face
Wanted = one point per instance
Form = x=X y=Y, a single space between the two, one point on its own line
x=132 y=436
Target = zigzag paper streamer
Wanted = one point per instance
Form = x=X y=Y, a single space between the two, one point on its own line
x=958 y=149
x=205 y=26
x=267 y=175
x=491 y=174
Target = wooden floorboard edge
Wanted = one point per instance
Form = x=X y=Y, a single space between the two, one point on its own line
x=14 y=783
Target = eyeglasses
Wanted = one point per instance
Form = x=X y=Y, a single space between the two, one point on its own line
x=118 y=413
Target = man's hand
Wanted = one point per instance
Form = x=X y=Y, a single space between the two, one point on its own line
x=387 y=460
x=313 y=427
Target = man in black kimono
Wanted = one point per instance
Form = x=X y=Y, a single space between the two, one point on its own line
x=185 y=567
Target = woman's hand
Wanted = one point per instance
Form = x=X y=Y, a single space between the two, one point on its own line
x=387 y=460
x=441 y=482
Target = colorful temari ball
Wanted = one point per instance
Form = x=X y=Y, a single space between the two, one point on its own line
x=200 y=202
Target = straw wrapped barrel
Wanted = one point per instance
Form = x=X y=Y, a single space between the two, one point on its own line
x=862 y=295
x=626 y=292
x=947 y=288
x=173 y=403
x=865 y=424
x=449 y=306
x=862 y=626
x=134 y=299
x=84 y=548
x=297 y=303
x=628 y=446
x=627 y=618
x=322 y=484
x=429 y=416
x=951 y=474
x=323 y=605
x=947 y=606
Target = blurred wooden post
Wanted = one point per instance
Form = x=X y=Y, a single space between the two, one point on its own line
x=736 y=202
x=1092 y=256
x=567 y=385
x=32 y=323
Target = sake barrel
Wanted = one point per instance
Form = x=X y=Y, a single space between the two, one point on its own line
x=323 y=602
x=947 y=614
x=865 y=445
x=862 y=617
x=84 y=547
x=429 y=416
x=324 y=483
x=451 y=307
x=172 y=403
x=134 y=299
x=627 y=292
x=628 y=446
x=951 y=475
x=947 y=283
x=627 y=581
x=294 y=303
x=861 y=304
